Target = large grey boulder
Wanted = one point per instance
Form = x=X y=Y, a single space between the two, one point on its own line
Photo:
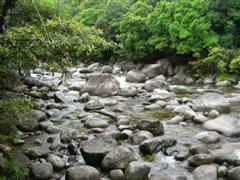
x=153 y=70
x=95 y=149
x=119 y=158
x=156 y=83
x=234 y=173
x=82 y=173
x=210 y=101
x=228 y=125
x=208 y=137
x=101 y=84
x=42 y=171
x=136 y=76
x=229 y=153
x=137 y=170
x=205 y=172
x=56 y=161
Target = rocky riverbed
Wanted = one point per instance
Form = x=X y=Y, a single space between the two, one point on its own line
x=113 y=122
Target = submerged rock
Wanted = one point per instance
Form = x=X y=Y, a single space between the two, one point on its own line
x=210 y=101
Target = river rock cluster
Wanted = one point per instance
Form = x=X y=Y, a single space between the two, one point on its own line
x=129 y=122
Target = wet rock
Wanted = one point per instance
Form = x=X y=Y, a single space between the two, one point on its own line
x=128 y=91
x=72 y=149
x=36 y=152
x=205 y=172
x=118 y=158
x=222 y=171
x=156 y=144
x=155 y=83
x=152 y=125
x=199 y=159
x=107 y=69
x=42 y=170
x=229 y=153
x=116 y=174
x=161 y=94
x=234 y=173
x=17 y=142
x=59 y=97
x=213 y=114
x=199 y=149
x=84 y=98
x=53 y=112
x=210 y=101
x=208 y=137
x=139 y=137
x=67 y=135
x=179 y=152
x=200 y=118
x=95 y=123
x=175 y=120
x=228 y=125
x=93 y=105
x=38 y=115
x=95 y=149
x=101 y=84
x=45 y=124
x=153 y=70
x=136 y=76
x=56 y=161
x=223 y=83
x=82 y=173
x=137 y=170
x=27 y=125
x=20 y=160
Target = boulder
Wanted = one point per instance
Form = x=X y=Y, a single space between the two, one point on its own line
x=107 y=69
x=94 y=150
x=119 y=158
x=153 y=70
x=128 y=91
x=210 y=101
x=228 y=125
x=199 y=159
x=56 y=161
x=116 y=174
x=208 y=137
x=205 y=172
x=93 y=105
x=156 y=83
x=229 y=153
x=82 y=173
x=152 y=125
x=136 y=76
x=223 y=83
x=156 y=144
x=137 y=170
x=139 y=137
x=101 y=84
x=234 y=173
x=42 y=170
x=96 y=123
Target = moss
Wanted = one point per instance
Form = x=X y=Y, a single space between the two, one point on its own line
x=11 y=171
x=149 y=158
x=162 y=115
x=228 y=77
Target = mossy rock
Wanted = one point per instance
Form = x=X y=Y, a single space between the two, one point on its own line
x=149 y=158
x=162 y=115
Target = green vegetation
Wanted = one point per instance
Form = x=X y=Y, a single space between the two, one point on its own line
x=10 y=171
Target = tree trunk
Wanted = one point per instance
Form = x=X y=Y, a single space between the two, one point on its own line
x=6 y=14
